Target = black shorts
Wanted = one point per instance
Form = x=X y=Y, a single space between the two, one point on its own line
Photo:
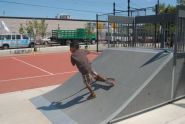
x=89 y=77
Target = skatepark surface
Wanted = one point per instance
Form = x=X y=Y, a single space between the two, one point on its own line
x=16 y=107
x=144 y=81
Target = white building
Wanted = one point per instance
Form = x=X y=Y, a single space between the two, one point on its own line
x=63 y=16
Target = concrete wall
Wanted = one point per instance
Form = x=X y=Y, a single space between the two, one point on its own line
x=14 y=24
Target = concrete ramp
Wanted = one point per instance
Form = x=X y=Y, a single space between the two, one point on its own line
x=143 y=78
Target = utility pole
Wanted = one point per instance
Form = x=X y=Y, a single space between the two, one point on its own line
x=158 y=2
x=114 y=8
x=157 y=13
x=114 y=13
x=128 y=7
x=157 y=7
x=97 y=33
x=128 y=33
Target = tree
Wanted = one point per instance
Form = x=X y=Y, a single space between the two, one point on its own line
x=181 y=2
x=42 y=28
x=34 y=28
x=90 y=27
x=29 y=29
x=21 y=29
x=166 y=9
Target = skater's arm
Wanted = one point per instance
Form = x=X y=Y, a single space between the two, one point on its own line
x=72 y=61
x=87 y=52
x=90 y=52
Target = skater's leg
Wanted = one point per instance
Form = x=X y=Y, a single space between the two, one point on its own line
x=96 y=76
x=106 y=80
x=87 y=81
x=101 y=78
x=92 y=93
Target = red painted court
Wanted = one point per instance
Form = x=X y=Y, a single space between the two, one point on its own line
x=35 y=70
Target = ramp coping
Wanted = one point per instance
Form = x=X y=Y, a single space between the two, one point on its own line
x=141 y=50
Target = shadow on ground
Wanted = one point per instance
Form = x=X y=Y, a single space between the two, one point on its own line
x=70 y=101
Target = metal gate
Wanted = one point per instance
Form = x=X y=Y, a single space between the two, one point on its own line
x=154 y=31
x=180 y=30
x=120 y=32
x=179 y=55
x=114 y=31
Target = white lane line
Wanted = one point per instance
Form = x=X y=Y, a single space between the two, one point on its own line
x=37 y=76
x=32 y=66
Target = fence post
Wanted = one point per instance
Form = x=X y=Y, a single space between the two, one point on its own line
x=175 y=37
x=134 y=33
x=97 y=33
x=109 y=35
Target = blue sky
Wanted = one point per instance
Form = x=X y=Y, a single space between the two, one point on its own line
x=78 y=9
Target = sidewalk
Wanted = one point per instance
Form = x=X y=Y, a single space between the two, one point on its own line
x=10 y=52
x=15 y=108
x=27 y=51
x=53 y=49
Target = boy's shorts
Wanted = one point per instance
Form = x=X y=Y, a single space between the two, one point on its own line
x=89 y=77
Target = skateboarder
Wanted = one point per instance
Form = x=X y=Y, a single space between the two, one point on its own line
x=79 y=58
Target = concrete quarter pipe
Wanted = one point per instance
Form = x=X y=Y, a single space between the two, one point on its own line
x=144 y=80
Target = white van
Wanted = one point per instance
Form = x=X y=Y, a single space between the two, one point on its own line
x=15 y=41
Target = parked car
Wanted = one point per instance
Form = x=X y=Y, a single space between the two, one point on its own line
x=47 y=41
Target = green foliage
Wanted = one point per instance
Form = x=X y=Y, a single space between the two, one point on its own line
x=29 y=28
x=150 y=28
x=89 y=28
x=181 y=2
x=34 y=28
x=21 y=29
x=43 y=28
x=166 y=9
